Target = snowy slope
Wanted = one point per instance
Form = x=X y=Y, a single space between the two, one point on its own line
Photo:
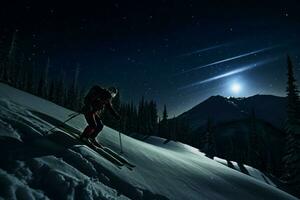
x=39 y=165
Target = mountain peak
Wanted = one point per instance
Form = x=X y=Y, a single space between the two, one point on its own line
x=215 y=97
x=223 y=109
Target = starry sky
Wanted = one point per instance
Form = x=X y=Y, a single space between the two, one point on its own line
x=176 y=52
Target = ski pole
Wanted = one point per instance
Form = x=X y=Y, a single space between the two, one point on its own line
x=120 y=137
x=120 y=142
x=73 y=116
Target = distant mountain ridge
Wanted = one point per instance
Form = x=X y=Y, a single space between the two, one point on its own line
x=223 y=109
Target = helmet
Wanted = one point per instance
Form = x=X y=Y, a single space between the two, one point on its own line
x=113 y=91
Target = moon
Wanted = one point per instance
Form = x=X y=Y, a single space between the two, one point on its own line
x=236 y=88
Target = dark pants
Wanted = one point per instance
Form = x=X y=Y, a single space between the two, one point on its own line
x=94 y=127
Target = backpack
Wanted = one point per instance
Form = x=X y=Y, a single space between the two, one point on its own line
x=96 y=93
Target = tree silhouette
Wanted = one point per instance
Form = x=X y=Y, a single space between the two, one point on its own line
x=291 y=159
x=254 y=144
x=210 y=143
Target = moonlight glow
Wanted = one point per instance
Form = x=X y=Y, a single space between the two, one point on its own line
x=236 y=88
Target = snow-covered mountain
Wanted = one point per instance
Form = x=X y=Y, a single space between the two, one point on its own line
x=39 y=165
x=221 y=109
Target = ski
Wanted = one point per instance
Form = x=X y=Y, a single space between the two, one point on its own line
x=116 y=155
x=105 y=152
x=110 y=155
x=116 y=163
x=102 y=153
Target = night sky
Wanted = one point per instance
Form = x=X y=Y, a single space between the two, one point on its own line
x=176 y=52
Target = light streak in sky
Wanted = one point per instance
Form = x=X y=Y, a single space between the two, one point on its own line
x=205 y=49
x=242 y=69
x=228 y=59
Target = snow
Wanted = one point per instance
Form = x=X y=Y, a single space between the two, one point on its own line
x=35 y=164
x=251 y=171
x=13 y=188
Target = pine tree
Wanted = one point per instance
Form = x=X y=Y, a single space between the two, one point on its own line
x=4 y=73
x=186 y=130
x=72 y=100
x=46 y=81
x=291 y=158
x=129 y=117
x=1 y=70
x=51 y=91
x=12 y=60
x=146 y=118
x=172 y=128
x=159 y=127
x=210 y=144
x=254 y=144
x=180 y=128
x=134 y=117
x=165 y=113
x=29 y=79
x=41 y=87
x=176 y=129
x=164 y=124
x=153 y=117
x=21 y=73
x=231 y=149
x=59 y=94
x=42 y=90
x=141 y=116
x=82 y=94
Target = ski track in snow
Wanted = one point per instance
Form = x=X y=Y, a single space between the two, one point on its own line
x=36 y=165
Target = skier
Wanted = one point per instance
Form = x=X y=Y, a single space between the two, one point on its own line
x=95 y=102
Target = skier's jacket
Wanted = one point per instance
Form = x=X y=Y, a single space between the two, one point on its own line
x=98 y=99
